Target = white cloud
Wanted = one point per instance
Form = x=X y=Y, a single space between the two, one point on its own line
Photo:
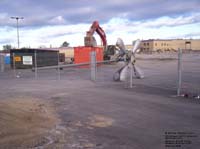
x=4 y=18
x=164 y=27
x=168 y=21
x=54 y=35
x=57 y=20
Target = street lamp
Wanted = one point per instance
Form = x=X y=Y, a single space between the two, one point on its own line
x=17 y=19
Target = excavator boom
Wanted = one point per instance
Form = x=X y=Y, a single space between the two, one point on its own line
x=90 y=40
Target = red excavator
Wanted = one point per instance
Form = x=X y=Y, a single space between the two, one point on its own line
x=109 y=50
x=90 y=40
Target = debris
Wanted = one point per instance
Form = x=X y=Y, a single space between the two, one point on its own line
x=197 y=96
x=185 y=95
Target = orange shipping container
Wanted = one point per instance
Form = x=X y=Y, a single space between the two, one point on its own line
x=82 y=54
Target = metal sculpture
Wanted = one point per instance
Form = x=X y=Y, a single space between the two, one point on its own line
x=129 y=59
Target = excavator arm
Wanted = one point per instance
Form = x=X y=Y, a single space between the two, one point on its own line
x=90 y=40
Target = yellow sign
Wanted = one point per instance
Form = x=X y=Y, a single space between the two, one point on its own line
x=18 y=59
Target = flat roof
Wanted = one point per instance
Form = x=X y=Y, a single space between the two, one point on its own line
x=34 y=49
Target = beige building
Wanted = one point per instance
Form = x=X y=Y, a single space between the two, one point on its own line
x=158 y=45
x=66 y=54
x=68 y=51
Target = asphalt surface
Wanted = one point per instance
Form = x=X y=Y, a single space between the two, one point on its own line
x=109 y=115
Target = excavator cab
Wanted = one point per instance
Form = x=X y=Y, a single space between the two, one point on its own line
x=90 y=41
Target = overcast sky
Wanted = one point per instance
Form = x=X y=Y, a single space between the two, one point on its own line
x=51 y=22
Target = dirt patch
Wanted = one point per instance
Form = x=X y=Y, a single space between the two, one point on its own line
x=25 y=121
x=100 y=121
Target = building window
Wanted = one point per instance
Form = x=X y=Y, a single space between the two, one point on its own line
x=147 y=44
x=155 y=44
x=144 y=44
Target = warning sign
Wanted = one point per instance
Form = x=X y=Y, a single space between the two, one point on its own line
x=18 y=59
x=27 y=60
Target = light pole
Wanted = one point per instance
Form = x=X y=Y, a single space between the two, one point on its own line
x=17 y=19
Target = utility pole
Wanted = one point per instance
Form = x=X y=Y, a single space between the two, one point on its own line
x=17 y=19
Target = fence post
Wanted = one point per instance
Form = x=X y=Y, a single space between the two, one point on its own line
x=58 y=66
x=131 y=73
x=2 y=63
x=14 y=67
x=179 y=72
x=35 y=63
x=93 y=65
x=131 y=76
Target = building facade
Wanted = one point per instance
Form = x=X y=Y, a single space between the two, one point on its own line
x=157 y=45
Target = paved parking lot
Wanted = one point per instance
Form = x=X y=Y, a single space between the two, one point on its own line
x=82 y=114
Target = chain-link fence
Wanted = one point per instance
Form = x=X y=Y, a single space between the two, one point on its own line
x=40 y=66
x=178 y=74
x=190 y=77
